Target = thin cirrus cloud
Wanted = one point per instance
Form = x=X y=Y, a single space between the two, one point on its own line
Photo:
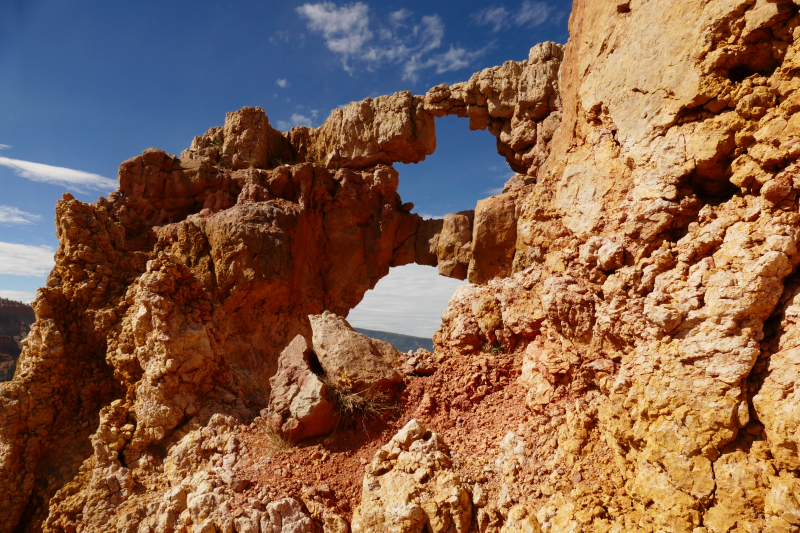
x=11 y=215
x=296 y=120
x=25 y=259
x=4 y=146
x=360 y=39
x=76 y=179
x=530 y=14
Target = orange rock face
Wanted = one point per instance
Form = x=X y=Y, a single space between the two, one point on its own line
x=177 y=293
x=630 y=325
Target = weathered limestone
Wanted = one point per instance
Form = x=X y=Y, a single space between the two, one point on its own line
x=494 y=238
x=659 y=239
x=642 y=265
x=518 y=102
x=351 y=360
x=371 y=132
x=408 y=487
x=453 y=248
x=299 y=406
x=159 y=298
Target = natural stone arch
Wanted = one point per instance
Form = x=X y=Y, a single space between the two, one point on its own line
x=223 y=253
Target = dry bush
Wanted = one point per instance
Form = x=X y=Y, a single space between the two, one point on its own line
x=359 y=406
x=277 y=442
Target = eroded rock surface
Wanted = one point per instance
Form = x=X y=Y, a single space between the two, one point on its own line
x=353 y=361
x=408 y=487
x=633 y=290
x=299 y=404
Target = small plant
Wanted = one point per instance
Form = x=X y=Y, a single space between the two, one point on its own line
x=217 y=141
x=495 y=349
x=277 y=442
x=359 y=406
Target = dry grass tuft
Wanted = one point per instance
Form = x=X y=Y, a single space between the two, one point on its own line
x=277 y=442
x=359 y=406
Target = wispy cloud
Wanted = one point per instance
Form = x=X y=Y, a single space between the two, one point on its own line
x=20 y=296
x=533 y=14
x=530 y=14
x=4 y=146
x=280 y=82
x=296 y=120
x=12 y=215
x=280 y=35
x=349 y=32
x=77 y=179
x=492 y=16
x=427 y=216
x=399 y=17
x=346 y=29
x=25 y=260
x=410 y=300
x=493 y=191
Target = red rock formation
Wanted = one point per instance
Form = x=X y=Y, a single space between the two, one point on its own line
x=632 y=310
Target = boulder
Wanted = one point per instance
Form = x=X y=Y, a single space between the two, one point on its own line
x=351 y=360
x=299 y=407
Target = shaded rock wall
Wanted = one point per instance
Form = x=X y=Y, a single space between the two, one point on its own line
x=15 y=323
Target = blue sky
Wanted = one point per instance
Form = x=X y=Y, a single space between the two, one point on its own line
x=88 y=84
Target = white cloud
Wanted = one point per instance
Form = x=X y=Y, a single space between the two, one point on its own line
x=280 y=82
x=530 y=14
x=492 y=16
x=349 y=32
x=453 y=59
x=427 y=216
x=345 y=29
x=296 y=120
x=300 y=120
x=410 y=300
x=76 y=179
x=493 y=191
x=281 y=35
x=533 y=13
x=25 y=260
x=19 y=296
x=398 y=18
x=12 y=215
x=4 y=146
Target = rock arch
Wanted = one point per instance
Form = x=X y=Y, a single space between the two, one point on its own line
x=208 y=264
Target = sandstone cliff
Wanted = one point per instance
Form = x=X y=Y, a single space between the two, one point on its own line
x=623 y=359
